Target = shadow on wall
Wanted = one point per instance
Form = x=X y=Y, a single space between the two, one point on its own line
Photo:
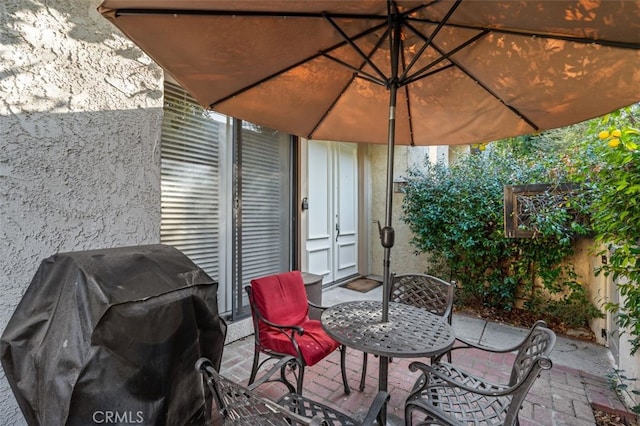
x=69 y=182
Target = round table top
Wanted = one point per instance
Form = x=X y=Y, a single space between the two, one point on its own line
x=411 y=332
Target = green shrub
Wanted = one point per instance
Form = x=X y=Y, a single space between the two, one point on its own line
x=573 y=310
x=613 y=174
x=456 y=215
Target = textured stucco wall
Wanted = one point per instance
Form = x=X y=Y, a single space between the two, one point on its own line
x=80 y=116
x=630 y=367
x=403 y=258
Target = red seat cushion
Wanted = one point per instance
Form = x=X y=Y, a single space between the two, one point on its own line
x=314 y=344
x=282 y=299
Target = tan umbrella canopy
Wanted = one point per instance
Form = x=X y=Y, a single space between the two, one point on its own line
x=469 y=71
x=395 y=72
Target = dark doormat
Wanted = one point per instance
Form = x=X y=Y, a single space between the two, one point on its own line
x=362 y=285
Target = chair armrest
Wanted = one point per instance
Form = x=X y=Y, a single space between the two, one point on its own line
x=281 y=327
x=375 y=408
x=310 y=408
x=295 y=328
x=466 y=344
x=257 y=317
x=480 y=387
x=313 y=305
x=291 y=335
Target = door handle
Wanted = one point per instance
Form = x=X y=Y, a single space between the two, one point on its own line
x=337 y=231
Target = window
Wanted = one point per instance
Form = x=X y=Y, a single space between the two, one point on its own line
x=226 y=196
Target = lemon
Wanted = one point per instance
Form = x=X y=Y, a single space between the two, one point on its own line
x=614 y=142
x=616 y=133
x=603 y=134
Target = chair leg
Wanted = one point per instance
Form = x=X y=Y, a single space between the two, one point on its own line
x=254 y=368
x=435 y=359
x=343 y=358
x=300 y=380
x=364 y=370
x=408 y=415
x=283 y=376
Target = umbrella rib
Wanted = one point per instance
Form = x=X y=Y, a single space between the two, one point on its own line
x=322 y=53
x=358 y=70
x=491 y=92
x=427 y=40
x=147 y=11
x=555 y=36
x=259 y=82
x=326 y=113
x=419 y=74
x=355 y=47
x=429 y=74
x=360 y=73
x=574 y=39
x=131 y=11
x=410 y=122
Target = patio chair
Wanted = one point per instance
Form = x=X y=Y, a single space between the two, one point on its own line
x=239 y=405
x=280 y=312
x=448 y=395
x=423 y=291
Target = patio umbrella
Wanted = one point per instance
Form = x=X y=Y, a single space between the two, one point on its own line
x=395 y=72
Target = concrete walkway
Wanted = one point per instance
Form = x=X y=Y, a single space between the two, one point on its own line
x=563 y=395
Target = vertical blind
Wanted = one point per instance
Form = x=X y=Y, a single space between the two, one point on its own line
x=190 y=176
x=193 y=217
x=265 y=203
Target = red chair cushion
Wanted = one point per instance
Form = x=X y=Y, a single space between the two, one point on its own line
x=314 y=344
x=282 y=299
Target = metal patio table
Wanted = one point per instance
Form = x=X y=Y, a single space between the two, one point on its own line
x=410 y=332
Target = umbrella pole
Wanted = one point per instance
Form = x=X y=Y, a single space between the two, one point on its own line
x=387 y=235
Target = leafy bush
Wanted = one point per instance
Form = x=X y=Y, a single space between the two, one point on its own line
x=613 y=174
x=456 y=215
x=573 y=310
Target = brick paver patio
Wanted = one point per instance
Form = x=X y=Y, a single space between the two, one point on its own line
x=561 y=396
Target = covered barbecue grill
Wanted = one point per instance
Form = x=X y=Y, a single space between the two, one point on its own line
x=111 y=336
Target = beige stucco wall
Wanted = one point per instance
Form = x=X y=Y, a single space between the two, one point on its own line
x=630 y=367
x=403 y=258
x=80 y=116
x=600 y=287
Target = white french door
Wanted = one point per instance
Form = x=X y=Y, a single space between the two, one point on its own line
x=330 y=215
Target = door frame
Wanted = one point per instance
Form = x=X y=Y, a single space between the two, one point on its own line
x=363 y=206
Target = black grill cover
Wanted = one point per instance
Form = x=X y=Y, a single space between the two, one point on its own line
x=112 y=336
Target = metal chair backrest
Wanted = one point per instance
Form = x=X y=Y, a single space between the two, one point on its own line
x=424 y=291
x=538 y=344
x=532 y=357
x=238 y=405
